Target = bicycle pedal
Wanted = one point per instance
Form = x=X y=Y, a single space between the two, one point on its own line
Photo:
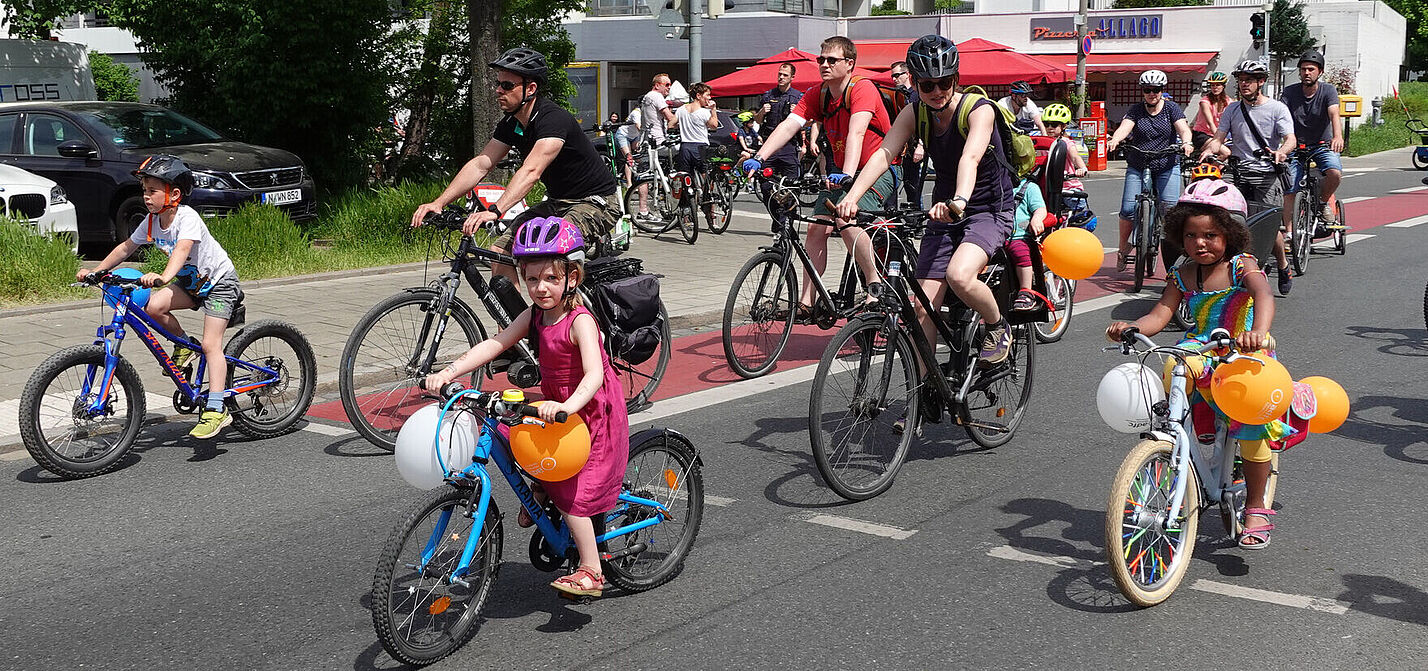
x=577 y=598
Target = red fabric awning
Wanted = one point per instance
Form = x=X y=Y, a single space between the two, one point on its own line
x=1169 y=61
x=986 y=63
x=881 y=55
x=756 y=79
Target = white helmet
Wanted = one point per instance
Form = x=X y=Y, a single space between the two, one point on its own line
x=1153 y=78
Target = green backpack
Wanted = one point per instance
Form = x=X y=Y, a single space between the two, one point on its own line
x=1018 y=154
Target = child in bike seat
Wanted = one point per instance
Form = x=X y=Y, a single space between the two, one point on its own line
x=205 y=276
x=575 y=377
x=1029 y=222
x=1055 y=117
x=1225 y=288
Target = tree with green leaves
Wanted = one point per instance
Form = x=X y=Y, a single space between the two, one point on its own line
x=113 y=81
x=38 y=19
x=887 y=8
x=1416 y=13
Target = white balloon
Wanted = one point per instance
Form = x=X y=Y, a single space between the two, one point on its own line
x=1125 y=396
x=416 y=456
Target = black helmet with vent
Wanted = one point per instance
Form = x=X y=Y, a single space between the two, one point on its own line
x=169 y=169
x=523 y=61
x=932 y=57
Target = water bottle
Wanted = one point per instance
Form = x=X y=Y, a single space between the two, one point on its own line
x=508 y=296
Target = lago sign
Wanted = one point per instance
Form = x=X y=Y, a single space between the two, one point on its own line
x=1134 y=26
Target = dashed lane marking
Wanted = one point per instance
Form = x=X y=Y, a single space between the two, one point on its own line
x=1355 y=237
x=1409 y=189
x=327 y=429
x=1409 y=223
x=873 y=528
x=1009 y=552
x=1356 y=199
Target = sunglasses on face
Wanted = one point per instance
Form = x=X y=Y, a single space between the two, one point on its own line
x=898 y=74
x=504 y=85
x=829 y=60
x=1151 y=89
x=945 y=83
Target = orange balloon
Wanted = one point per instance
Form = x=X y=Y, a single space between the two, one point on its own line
x=1073 y=253
x=551 y=452
x=1251 y=393
x=1333 y=404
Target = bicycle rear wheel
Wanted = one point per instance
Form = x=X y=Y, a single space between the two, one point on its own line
x=1339 y=236
x=1061 y=292
x=759 y=314
x=864 y=389
x=688 y=220
x=383 y=362
x=723 y=191
x=419 y=614
x=1149 y=554
x=1303 y=238
x=660 y=206
x=56 y=425
x=273 y=409
x=663 y=467
x=999 y=395
x=1144 y=250
x=639 y=380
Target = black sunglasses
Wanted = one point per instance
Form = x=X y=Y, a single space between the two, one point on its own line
x=504 y=85
x=1151 y=89
x=945 y=83
x=829 y=60
x=898 y=74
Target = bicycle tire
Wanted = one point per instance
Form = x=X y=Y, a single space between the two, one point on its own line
x=1420 y=162
x=114 y=442
x=389 y=598
x=1145 y=216
x=664 y=467
x=1303 y=228
x=654 y=198
x=1340 y=236
x=1061 y=292
x=756 y=309
x=1425 y=307
x=997 y=388
x=1139 y=496
x=642 y=379
x=379 y=389
x=688 y=220
x=292 y=399
x=864 y=438
x=723 y=206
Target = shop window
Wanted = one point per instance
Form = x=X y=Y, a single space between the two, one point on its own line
x=1128 y=92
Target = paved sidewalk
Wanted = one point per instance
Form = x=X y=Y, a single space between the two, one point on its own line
x=325 y=308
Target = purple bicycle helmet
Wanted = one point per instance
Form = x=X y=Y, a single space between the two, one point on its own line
x=1216 y=192
x=549 y=237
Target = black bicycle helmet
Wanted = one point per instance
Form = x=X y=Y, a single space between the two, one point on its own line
x=1021 y=87
x=932 y=57
x=169 y=169
x=523 y=61
x=1313 y=56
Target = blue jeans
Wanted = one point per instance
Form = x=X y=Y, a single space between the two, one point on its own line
x=1324 y=158
x=1167 y=186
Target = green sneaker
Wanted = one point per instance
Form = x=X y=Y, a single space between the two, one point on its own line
x=182 y=359
x=209 y=422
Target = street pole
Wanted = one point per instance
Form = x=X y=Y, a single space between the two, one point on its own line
x=1081 y=28
x=696 y=41
x=1268 y=57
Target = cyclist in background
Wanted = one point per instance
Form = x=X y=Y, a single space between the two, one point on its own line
x=655 y=119
x=1155 y=124
x=1257 y=177
x=1054 y=118
x=1212 y=105
x=695 y=120
x=1028 y=115
x=627 y=141
x=1315 y=108
x=914 y=172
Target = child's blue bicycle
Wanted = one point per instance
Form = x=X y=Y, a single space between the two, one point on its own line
x=81 y=409
x=439 y=564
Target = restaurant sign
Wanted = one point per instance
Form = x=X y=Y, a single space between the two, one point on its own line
x=1146 y=26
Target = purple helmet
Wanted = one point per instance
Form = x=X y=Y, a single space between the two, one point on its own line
x=1215 y=192
x=549 y=236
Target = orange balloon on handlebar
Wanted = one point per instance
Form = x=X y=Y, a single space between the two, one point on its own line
x=1073 y=253
x=1332 y=404
x=1252 y=391
x=552 y=451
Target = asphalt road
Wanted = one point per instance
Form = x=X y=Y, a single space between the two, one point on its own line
x=259 y=554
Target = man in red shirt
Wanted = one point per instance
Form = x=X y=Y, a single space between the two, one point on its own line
x=854 y=121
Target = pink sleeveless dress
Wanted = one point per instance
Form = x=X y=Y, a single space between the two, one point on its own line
x=596 y=488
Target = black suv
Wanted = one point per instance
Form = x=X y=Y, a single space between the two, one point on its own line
x=92 y=148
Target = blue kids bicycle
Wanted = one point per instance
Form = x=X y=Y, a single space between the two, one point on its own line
x=81 y=409
x=440 y=562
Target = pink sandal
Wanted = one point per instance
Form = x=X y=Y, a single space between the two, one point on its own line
x=1258 y=535
x=583 y=582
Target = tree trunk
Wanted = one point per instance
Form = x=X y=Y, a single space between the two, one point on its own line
x=485 y=47
x=437 y=34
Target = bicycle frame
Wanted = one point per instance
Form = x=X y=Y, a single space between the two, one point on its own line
x=111 y=336
x=463 y=264
x=1175 y=427
x=493 y=447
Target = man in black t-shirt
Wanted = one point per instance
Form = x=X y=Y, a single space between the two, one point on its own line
x=578 y=185
x=774 y=106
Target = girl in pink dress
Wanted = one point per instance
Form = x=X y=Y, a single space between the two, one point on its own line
x=576 y=378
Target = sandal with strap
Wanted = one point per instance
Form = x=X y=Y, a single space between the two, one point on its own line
x=583 y=582
x=1257 y=535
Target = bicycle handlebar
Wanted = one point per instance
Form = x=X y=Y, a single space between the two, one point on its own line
x=1135 y=342
x=109 y=278
x=1151 y=153
x=491 y=402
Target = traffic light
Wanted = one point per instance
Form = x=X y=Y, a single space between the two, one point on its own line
x=1257 y=29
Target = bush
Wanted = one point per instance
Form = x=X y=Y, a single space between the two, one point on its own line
x=34 y=268
x=113 y=81
x=1392 y=134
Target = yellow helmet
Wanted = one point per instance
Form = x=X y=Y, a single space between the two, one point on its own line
x=1205 y=171
x=1056 y=113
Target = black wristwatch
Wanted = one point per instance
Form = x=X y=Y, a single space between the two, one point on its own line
x=494 y=210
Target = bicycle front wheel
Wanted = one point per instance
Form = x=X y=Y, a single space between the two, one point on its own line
x=639 y=380
x=1061 y=292
x=759 y=314
x=862 y=408
x=1148 y=553
x=654 y=220
x=1145 y=247
x=384 y=361
x=663 y=467
x=1303 y=238
x=997 y=399
x=1339 y=236
x=56 y=423
x=420 y=614
x=723 y=193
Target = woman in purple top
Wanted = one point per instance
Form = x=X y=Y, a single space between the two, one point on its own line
x=1154 y=124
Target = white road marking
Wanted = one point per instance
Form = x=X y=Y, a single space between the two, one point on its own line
x=17 y=455
x=723 y=393
x=1409 y=189
x=896 y=533
x=1409 y=223
x=1107 y=301
x=10 y=411
x=1355 y=237
x=1360 y=169
x=1107 y=250
x=721 y=501
x=326 y=429
x=1280 y=598
x=1009 y=552
x=1357 y=199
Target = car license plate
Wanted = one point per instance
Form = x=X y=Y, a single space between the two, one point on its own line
x=282 y=197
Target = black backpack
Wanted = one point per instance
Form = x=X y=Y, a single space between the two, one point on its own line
x=628 y=303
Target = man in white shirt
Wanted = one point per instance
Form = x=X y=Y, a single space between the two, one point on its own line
x=1028 y=115
x=656 y=119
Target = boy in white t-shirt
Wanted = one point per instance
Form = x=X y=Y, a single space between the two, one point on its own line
x=205 y=275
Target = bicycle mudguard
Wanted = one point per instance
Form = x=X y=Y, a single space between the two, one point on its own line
x=656 y=432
